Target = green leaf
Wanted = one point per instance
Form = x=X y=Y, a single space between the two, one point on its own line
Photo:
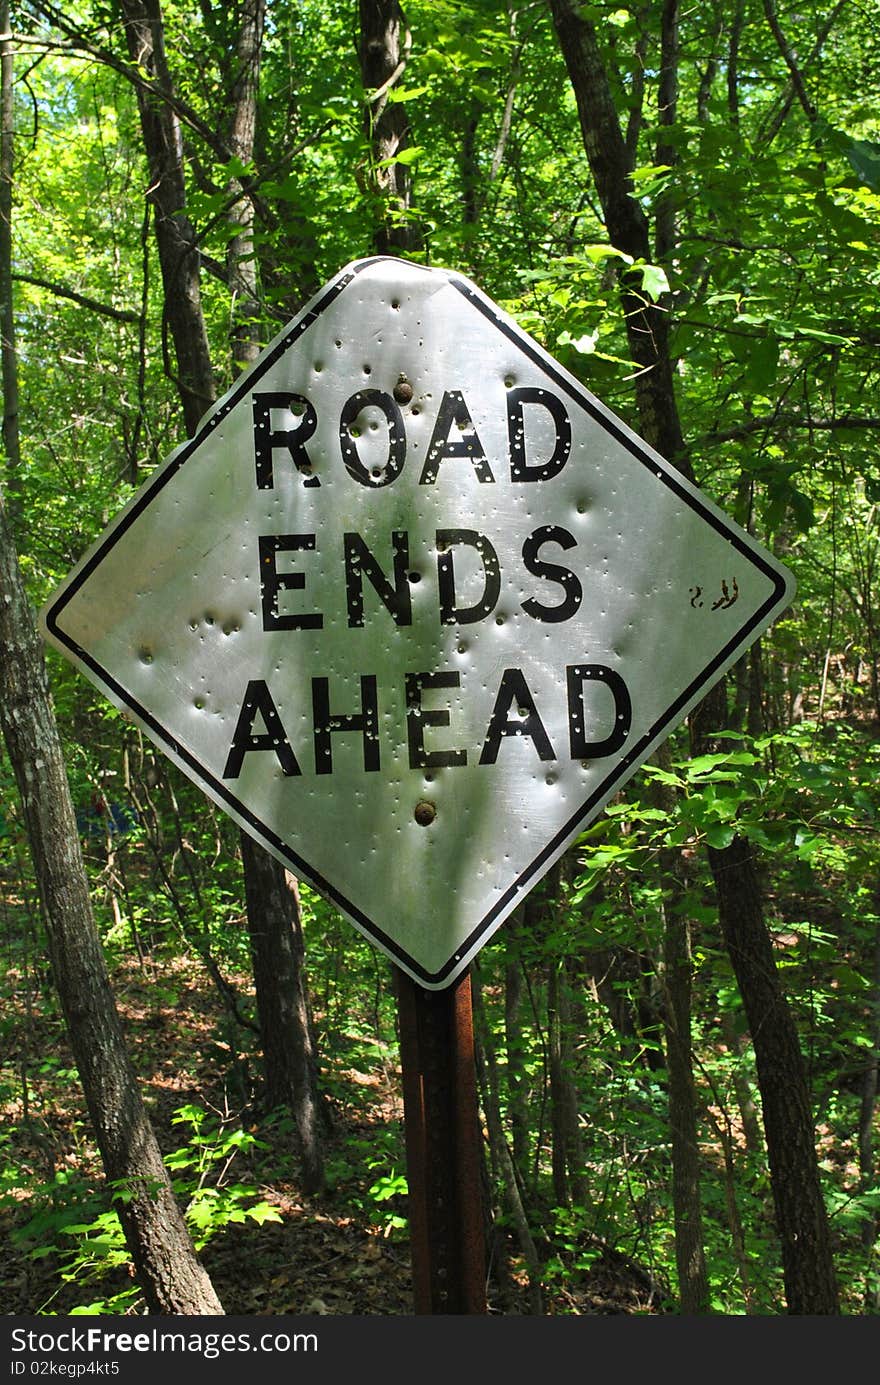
x=720 y=835
x=863 y=155
x=654 y=280
x=401 y=94
x=406 y=156
x=263 y=1212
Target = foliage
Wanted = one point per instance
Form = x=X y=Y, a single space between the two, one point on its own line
x=771 y=296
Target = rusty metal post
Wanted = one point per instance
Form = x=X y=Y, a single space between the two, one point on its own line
x=447 y=1235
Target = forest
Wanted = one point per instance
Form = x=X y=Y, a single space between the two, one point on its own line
x=677 y=1032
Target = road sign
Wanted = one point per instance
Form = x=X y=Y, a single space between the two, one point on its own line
x=412 y=606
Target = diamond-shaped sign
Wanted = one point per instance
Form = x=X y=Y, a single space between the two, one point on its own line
x=412 y=606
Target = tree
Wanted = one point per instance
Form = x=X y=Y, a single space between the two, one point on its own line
x=276 y=943
x=691 y=232
x=808 y=1261
x=172 y=1277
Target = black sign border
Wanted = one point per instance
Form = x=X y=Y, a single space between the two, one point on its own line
x=623 y=767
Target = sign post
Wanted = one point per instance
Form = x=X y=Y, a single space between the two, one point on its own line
x=443 y=1147
x=411 y=606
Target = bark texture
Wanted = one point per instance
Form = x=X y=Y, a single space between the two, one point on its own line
x=383 y=52
x=240 y=255
x=175 y=236
x=168 y=1269
x=610 y=163
x=11 y=449
x=277 y=954
x=288 y=1054
x=802 y=1224
x=807 y=1260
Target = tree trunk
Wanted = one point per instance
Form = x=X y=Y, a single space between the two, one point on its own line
x=273 y=911
x=168 y=1269
x=677 y=976
x=646 y=322
x=514 y=1043
x=690 y=1258
x=788 y=1120
x=11 y=447
x=801 y=1219
x=748 y=1112
x=175 y=237
x=271 y=916
x=566 y=1152
x=277 y=954
x=866 y=1127
x=487 y=1077
x=383 y=53
x=241 y=261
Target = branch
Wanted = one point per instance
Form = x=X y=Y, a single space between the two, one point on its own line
x=80 y=44
x=118 y=314
x=787 y=52
x=769 y=132
x=782 y=421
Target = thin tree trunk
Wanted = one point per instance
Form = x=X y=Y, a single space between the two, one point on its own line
x=807 y=1261
x=677 y=972
x=11 y=445
x=272 y=917
x=383 y=52
x=240 y=255
x=690 y=1257
x=646 y=322
x=866 y=1127
x=273 y=910
x=801 y=1219
x=175 y=237
x=487 y=1076
x=169 y=1271
x=277 y=953
x=745 y=1101
x=566 y=1153
x=516 y=1075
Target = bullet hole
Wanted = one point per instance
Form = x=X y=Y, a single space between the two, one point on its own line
x=403 y=390
x=424 y=813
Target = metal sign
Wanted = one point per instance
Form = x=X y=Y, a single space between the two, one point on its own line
x=412 y=606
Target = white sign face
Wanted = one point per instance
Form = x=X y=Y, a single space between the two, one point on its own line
x=412 y=606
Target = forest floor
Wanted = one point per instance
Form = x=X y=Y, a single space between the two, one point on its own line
x=344 y=1251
